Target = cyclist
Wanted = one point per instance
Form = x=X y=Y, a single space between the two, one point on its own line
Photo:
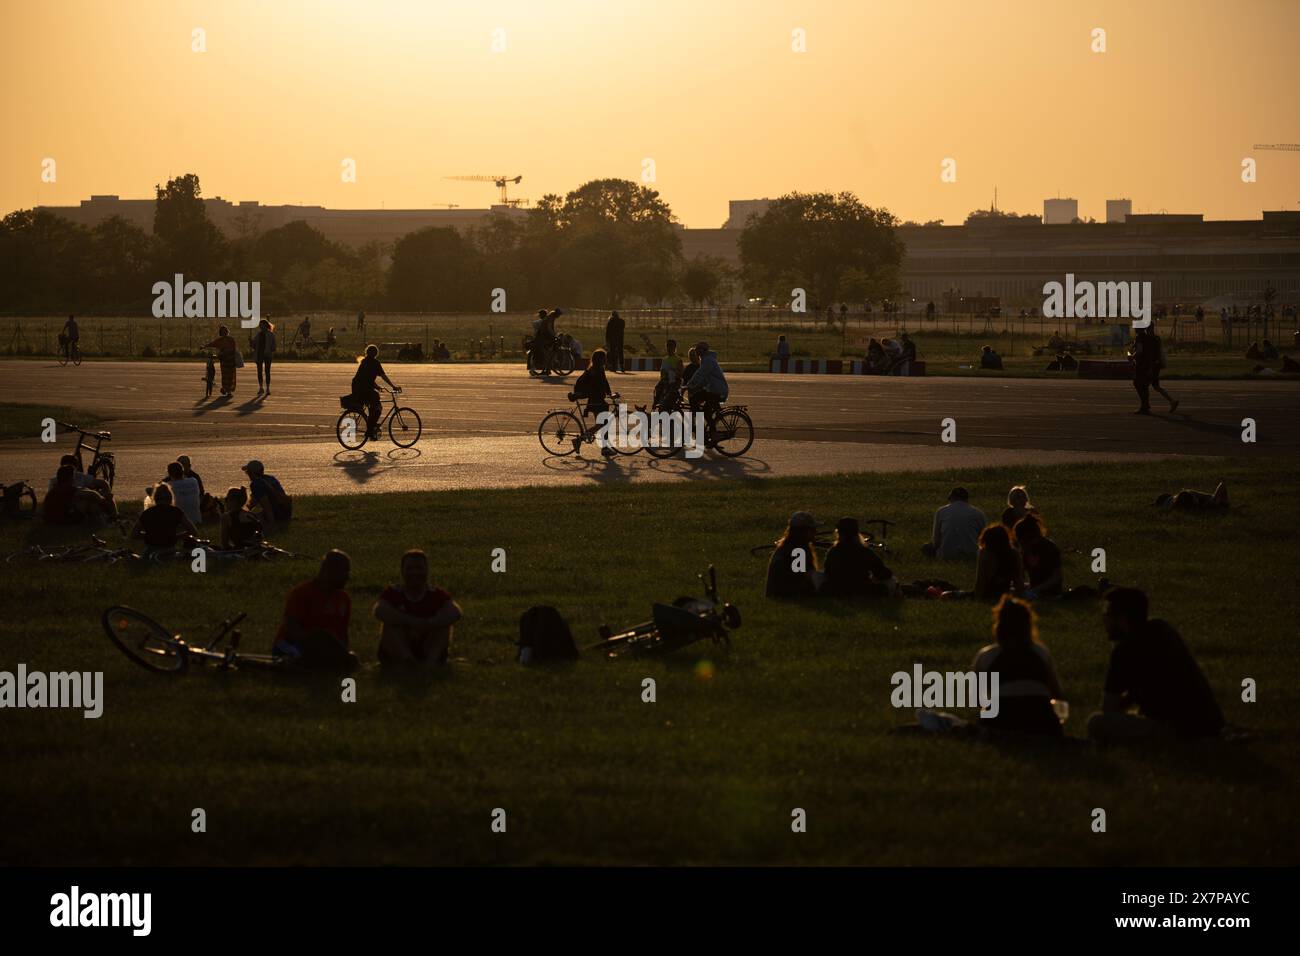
x=545 y=337
x=71 y=335
x=670 y=377
x=364 y=389
x=594 y=387
x=707 y=388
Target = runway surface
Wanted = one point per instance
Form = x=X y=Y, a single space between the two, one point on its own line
x=480 y=425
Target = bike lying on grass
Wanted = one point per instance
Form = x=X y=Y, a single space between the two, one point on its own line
x=155 y=648
x=674 y=626
x=99 y=550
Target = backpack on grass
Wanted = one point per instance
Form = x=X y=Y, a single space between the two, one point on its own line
x=544 y=636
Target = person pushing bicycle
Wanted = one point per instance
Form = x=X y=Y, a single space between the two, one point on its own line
x=366 y=392
x=71 y=335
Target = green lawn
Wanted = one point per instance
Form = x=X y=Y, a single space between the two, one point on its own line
x=19 y=420
x=798 y=714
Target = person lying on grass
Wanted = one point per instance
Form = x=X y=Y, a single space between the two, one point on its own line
x=1188 y=500
x=314 y=629
x=1150 y=669
x=417 y=619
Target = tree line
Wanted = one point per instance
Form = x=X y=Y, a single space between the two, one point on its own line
x=608 y=243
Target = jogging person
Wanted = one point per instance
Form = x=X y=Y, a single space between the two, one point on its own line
x=365 y=391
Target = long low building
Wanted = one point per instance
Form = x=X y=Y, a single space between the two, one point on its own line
x=1184 y=257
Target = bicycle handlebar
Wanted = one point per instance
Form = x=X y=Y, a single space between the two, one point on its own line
x=106 y=436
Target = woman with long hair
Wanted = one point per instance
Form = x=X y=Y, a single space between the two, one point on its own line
x=1027 y=681
x=790 y=572
x=998 y=569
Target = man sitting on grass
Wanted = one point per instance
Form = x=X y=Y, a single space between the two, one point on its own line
x=417 y=619
x=163 y=526
x=314 y=630
x=69 y=502
x=956 y=532
x=1150 y=667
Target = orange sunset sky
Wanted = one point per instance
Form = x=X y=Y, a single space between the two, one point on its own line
x=711 y=90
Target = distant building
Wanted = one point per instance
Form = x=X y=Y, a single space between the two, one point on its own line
x=1118 y=210
x=739 y=211
x=1060 y=211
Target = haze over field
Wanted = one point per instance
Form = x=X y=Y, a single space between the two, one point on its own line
x=712 y=92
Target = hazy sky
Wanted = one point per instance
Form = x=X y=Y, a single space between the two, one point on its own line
x=711 y=90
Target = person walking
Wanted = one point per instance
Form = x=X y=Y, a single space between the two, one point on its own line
x=263 y=350
x=1157 y=347
x=614 y=341
x=1142 y=357
x=227 y=355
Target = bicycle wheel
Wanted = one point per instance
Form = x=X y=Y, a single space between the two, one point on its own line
x=670 y=440
x=562 y=362
x=560 y=433
x=351 y=430
x=733 y=433
x=533 y=362
x=63 y=358
x=76 y=356
x=104 y=467
x=404 y=427
x=144 y=641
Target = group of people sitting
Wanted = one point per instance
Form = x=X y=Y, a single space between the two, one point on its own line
x=416 y=618
x=174 y=508
x=890 y=356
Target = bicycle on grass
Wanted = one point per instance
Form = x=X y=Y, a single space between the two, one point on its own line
x=674 y=626
x=155 y=648
x=825 y=537
x=403 y=423
x=102 y=463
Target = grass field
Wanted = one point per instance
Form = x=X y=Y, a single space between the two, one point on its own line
x=23 y=421
x=797 y=715
x=746 y=346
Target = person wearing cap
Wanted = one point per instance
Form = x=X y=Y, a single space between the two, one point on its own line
x=707 y=388
x=956 y=532
x=614 y=341
x=790 y=573
x=267 y=494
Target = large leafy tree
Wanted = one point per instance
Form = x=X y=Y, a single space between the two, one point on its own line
x=437 y=268
x=823 y=243
x=186 y=240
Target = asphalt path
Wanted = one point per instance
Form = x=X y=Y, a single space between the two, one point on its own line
x=480 y=424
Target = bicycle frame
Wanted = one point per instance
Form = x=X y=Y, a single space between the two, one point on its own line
x=96 y=453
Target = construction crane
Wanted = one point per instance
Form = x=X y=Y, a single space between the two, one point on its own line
x=445 y=205
x=1288 y=147
x=498 y=181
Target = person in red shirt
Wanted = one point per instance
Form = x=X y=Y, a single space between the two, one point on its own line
x=417 y=618
x=314 y=629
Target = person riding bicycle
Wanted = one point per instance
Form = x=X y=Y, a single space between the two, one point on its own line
x=670 y=377
x=593 y=386
x=304 y=330
x=364 y=390
x=707 y=388
x=70 y=335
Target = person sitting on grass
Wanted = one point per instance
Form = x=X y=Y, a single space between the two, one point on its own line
x=853 y=569
x=163 y=526
x=267 y=496
x=314 y=628
x=1150 y=669
x=909 y=347
x=239 y=527
x=417 y=619
x=782 y=347
x=998 y=570
x=1018 y=505
x=1041 y=557
x=989 y=359
x=956 y=531
x=186 y=493
x=1188 y=500
x=66 y=503
x=1027 y=681
x=875 y=356
x=791 y=575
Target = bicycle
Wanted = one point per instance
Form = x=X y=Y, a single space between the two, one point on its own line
x=674 y=626
x=71 y=352
x=97 y=550
x=147 y=643
x=558 y=360
x=732 y=433
x=563 y=431
x=403 y=423
x=102 y=464
x=825 y=537
x=19 y=500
